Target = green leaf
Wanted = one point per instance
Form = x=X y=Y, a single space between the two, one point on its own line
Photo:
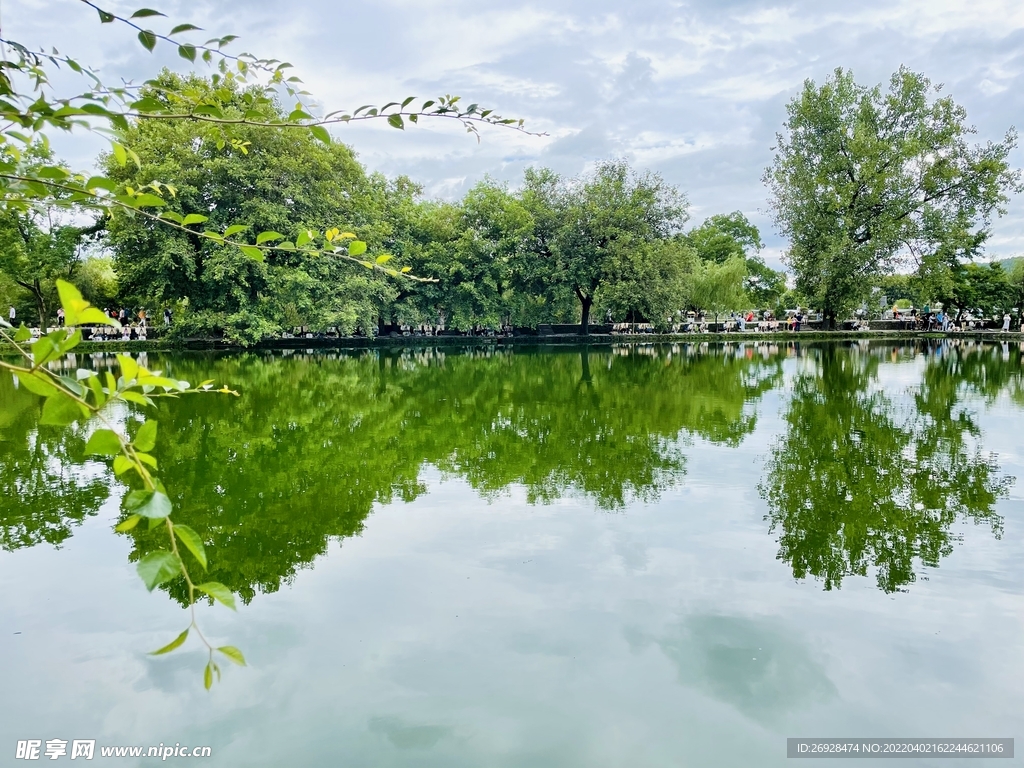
x=209 y=110
x=145 y=438
x=208 y=675
x=122 y=464
x=37 y=383
x=356 y=248
x=103 y=442
x=264 y=237
x=253 y=252
x=395 y=121
x=24 y=333
x=119 y=154
x=233 y=653
x=194 y=218
x=148 y=104
x=320 y=133
x=144 y=12
x=78 y=311
x=105 y=17
x=129 y=368
x=187 y=52
x=175 y=643
x=184 y=28
x=157 y=567
x=218 y=592
x=172 y=216
x=44 y=349
x=148 y=39
x=384 y=258
x=127 y=524
x=191 y=540
x=145 y=458
x=151 y=504
x=149 y=200
x=102 y=182
x=59 y=410
x=234 y=229
x=135 y=397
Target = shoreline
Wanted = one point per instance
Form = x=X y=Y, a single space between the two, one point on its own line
x=385 y=342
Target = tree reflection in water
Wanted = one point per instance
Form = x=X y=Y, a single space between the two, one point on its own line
x=44 y=491
x=861 y=480
x=315 y=441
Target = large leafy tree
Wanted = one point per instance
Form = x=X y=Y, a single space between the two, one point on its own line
x=977 y=288
x=865 y=179
x=651 y=282
x=600 y=216
x=286 y=182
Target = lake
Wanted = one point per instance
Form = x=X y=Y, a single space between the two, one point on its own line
x=660 y=555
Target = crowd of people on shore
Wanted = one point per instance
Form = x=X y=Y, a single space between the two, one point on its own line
x=134 y=325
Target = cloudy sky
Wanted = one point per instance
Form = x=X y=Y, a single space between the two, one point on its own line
x=694 y=90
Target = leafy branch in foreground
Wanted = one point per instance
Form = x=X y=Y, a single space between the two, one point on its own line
x=88 y=395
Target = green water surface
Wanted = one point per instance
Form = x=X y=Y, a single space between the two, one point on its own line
x=606 y=556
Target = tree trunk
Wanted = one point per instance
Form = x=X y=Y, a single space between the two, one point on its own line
x=37 y=293
x=585 y=303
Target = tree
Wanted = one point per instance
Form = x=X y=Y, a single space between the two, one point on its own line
x=725 y=236
x=977 y=288
x=651 y=282
x=718 y=287
x=601 y=215
x=287 y=182
x=1015 y=287
x=864 y=181
x=39 y=246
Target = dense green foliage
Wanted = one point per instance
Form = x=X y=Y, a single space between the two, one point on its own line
x=865 y=182
x=552 y=250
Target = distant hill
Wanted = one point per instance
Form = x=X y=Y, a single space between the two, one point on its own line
x=1007 y=264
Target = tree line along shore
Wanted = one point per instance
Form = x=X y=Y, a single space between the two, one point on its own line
x=884 y=197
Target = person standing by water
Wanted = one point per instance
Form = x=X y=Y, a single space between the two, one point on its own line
x=1006 y=322
x=167 y=316
x=12 y=314
x=60 y=316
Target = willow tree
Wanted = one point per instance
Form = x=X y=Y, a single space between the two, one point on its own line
x=866 y=180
